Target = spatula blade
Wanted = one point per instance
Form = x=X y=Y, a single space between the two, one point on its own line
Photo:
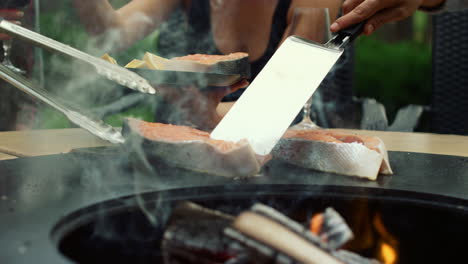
x=268 y=106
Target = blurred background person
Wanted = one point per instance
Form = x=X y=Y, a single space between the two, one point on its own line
x=393 y=65
x=204 y=27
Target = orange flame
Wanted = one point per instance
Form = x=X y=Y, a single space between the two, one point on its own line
x=387 y=253
x=371 y=234
x=388 y=244
x=316 y=223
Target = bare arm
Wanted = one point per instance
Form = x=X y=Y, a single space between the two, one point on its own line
x=129 y=23
x=13 y=16
x=379 y=12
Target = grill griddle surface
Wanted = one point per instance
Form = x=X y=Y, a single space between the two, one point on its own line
x=36 y=192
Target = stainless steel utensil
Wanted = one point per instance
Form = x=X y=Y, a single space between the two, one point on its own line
x=268 y=106
x=111 y=71
x=199 y=79
x=94 y=126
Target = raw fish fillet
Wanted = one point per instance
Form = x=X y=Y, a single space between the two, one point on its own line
x=334 y=151
x=193 y=149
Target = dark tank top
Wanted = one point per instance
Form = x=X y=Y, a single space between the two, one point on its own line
x=189 y=31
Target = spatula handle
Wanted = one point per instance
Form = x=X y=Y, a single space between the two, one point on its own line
x=345 y=36
x=353 y=31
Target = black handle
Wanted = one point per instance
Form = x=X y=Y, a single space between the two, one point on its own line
x=351 y=32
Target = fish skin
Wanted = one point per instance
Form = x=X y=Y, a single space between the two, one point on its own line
x=197 y=155
x=353 y=159
x=373 y=143
x=385 y=167
x=203 y=157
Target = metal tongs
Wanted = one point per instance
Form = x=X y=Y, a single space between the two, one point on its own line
x=111 y=71
x=95 y=126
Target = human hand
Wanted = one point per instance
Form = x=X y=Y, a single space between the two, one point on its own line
x=12 y=15
x=377 y=12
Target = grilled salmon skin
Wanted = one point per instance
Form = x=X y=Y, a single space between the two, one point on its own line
x=193 y=149
x=334 y=151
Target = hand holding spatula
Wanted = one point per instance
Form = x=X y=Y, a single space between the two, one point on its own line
x=267 y=108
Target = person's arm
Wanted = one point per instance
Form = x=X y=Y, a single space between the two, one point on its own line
x=132 y=22
x=11 y=15
x=379 y=12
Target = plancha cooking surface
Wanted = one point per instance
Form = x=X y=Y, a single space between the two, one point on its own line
x=35 y=193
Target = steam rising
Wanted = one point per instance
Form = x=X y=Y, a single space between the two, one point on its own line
x=131 y=166
x=128 y=165
x=319 y=104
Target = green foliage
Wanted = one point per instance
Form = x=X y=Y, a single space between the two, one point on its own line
x=137 y=51
x=52 y=119
x=396 y=74
x=141 y=112
x=420 y=26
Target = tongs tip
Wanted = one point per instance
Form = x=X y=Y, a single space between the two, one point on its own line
x=150 y=89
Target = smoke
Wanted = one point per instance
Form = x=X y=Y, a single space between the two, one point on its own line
x=79 y=85
x=122 y=38
x=129 y=166
x=78 y=82
x=333 y=98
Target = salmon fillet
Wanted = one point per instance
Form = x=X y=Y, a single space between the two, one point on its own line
x=193 y=149
x=212 y=59
x=334 y=151
x=234 y=63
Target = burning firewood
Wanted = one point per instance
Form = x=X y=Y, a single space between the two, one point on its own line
x=195 y=235
x=331 y=228
x=260 y=235
x=278 y=239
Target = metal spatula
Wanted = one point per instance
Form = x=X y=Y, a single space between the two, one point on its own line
x=268 y=106
x=111 y=71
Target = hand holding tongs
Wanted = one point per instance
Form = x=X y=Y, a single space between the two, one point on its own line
x=94 y=126
x=111 y=71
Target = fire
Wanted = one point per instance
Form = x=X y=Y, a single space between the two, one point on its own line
x=371 y=236
x=387 y=253
x=388 y=244
x=316 y=223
